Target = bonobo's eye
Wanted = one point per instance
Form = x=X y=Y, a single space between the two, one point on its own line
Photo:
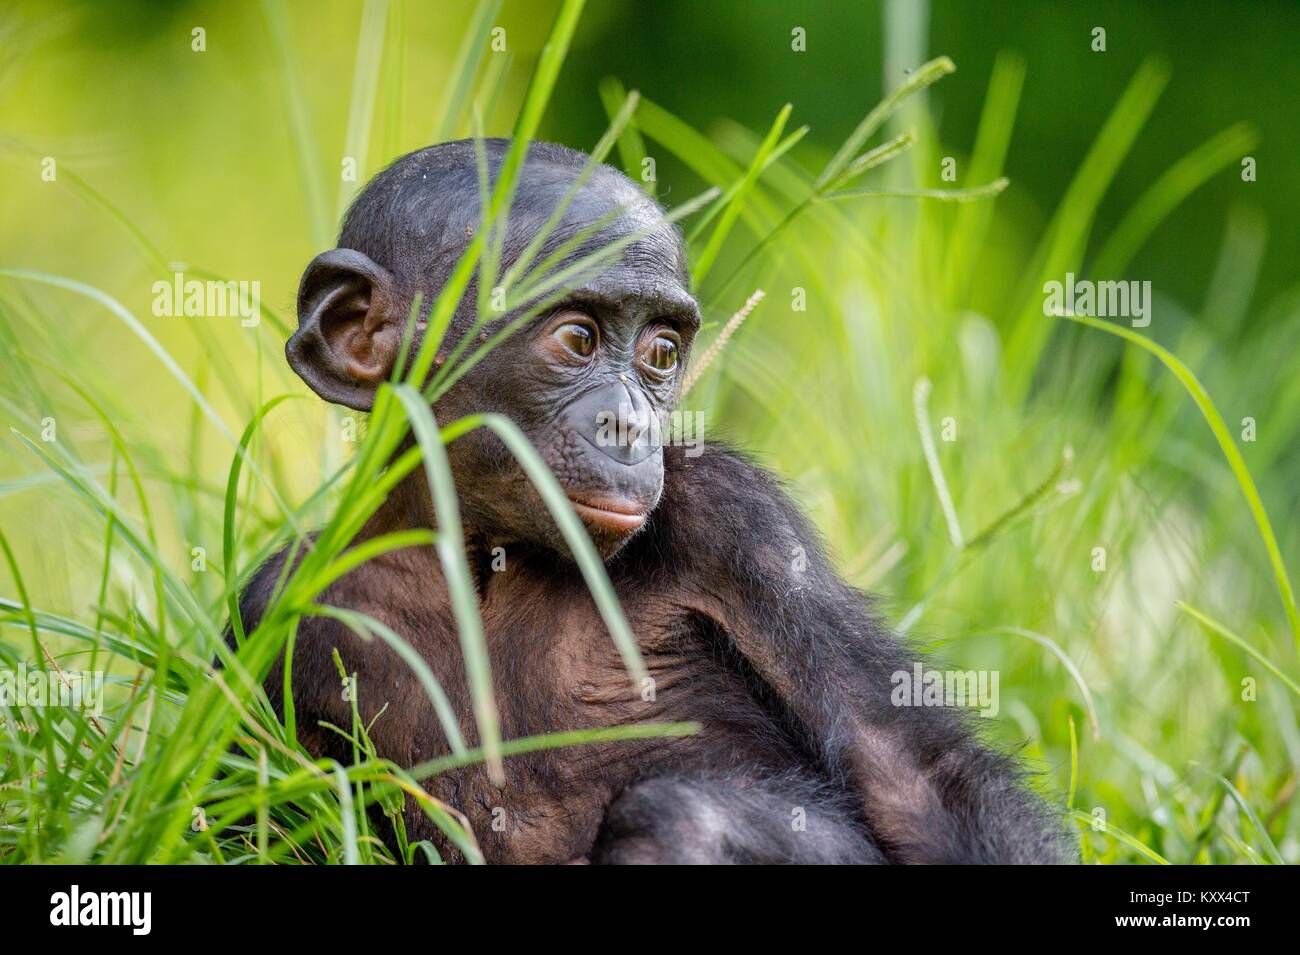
x=578 y=336
x=660 y=352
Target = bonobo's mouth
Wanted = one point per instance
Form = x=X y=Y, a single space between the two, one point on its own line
x=611 y=515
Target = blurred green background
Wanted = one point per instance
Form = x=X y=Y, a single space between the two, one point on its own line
x=115 y=91
x=1063 y=444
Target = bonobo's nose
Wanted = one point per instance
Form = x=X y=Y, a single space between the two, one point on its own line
x=619 y=420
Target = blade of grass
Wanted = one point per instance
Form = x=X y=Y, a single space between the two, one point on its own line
x=920 y=78
x=549 y=288
x=921 y=407
x=535 y=101
x=395 y=83
x=631 y=145
x=724 y=200
x=617 y=124
x=973 y=194
x=1270 y=850
x=468 y=58
x=306 y=151
x=1230 y=451
x=163 y=356
x=1074 y=765
x=733 y=208
x=455 y=568
x=988 y=158
x=873 y=158
x=1062 y=246
x=1206 y=822
x=547 y=741
x=1111 y=830
x=1168 y=192
x=493 y=87
x=106 y=506
x=1070 y=667
x=368 y=628
x=580 y=546
x=365 y=90
x=1215 y=627
x=351 y=855
x=228 y=530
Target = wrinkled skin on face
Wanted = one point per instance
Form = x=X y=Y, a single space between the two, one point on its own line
x=591 y=382
x=590 y=379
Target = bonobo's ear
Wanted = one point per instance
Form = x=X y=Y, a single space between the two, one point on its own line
x=349 y=331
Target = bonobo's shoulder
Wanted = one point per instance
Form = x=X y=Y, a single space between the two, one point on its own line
x=719 y=501
x=410 y=576
x=260 y=587
x=717 y=474
x=715 y=466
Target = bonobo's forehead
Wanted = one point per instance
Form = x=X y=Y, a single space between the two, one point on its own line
x=417 y=217
x=638 y=251
x=634 y=248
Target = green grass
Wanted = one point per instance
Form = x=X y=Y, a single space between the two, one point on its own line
x=918 y=311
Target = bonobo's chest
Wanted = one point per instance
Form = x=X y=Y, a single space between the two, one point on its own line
x=556 y=669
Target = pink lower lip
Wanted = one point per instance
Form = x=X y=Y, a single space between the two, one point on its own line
x=623 y=520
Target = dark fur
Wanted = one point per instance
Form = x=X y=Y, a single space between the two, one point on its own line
x=786 y=670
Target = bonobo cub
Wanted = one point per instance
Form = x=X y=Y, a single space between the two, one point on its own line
x=802 y=756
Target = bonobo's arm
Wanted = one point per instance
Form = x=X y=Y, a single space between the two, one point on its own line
x=931 y=791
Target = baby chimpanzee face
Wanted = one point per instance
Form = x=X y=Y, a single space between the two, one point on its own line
x=590 y=378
